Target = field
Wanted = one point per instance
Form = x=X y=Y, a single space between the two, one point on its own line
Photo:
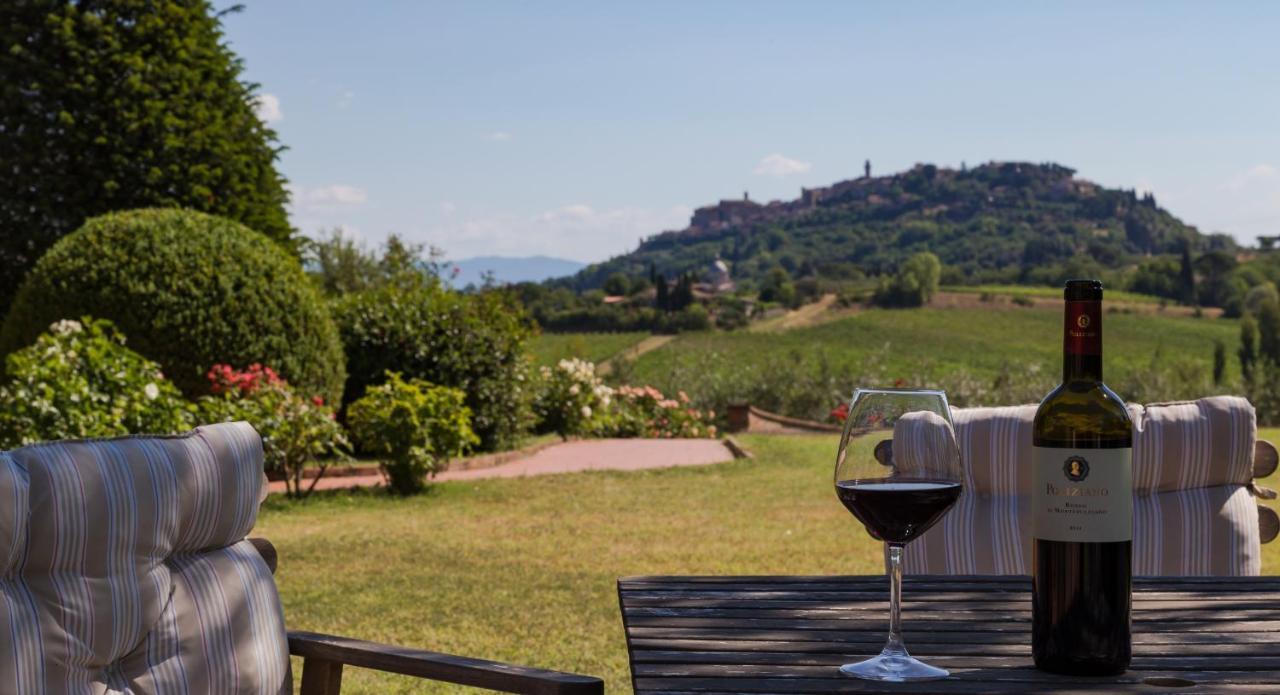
x=1048 y=293
x=983 y=355
x=524 y=570
x=549 y=348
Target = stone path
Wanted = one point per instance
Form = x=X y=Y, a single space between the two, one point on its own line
x=572 y=457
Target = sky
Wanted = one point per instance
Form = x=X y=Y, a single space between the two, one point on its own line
x=575 y=129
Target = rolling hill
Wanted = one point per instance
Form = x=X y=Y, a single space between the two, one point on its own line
x=1006 y=222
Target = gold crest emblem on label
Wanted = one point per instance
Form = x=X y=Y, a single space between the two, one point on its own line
x=1082 y=320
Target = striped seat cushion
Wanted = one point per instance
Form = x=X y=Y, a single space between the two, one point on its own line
x=1192 y=464
x=124 y=569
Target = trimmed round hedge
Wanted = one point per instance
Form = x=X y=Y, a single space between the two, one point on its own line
x=188 y=290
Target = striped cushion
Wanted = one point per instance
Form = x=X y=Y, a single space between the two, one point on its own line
x=1192 y=463
x=125 y=569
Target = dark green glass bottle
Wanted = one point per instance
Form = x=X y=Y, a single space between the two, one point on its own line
x=1082 y=501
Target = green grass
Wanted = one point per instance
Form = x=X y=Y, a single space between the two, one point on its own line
x=549 y=348
x=942 y=345
x=524 y=570
x=1048 y=292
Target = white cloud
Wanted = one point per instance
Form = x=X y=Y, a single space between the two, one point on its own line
x=1258 y=173
x=346 y=98
x=333 y=195
x=778 y=165
x=448 y=208
x=577 y=231
x=1245 y=205
x=267 y=107
x=498 y=136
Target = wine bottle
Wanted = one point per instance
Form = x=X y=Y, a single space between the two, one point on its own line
x=1082 y=511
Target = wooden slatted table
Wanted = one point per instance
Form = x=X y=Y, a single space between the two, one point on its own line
x=789 y=635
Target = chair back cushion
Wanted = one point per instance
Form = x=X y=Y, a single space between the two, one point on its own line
x=124 y=569
x=1193 y=513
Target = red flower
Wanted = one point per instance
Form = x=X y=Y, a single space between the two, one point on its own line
x=841 y=412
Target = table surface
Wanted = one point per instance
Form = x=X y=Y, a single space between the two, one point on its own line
x=789 y=635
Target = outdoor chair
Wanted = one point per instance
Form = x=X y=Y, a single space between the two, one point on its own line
x=126 y=570
x=1194 y=470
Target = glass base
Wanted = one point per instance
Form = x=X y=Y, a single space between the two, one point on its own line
x=894 y=667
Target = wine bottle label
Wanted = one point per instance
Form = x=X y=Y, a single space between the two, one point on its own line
x=1083 y=332
x=1082 y=495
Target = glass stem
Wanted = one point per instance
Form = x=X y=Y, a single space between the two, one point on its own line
x=894 y=645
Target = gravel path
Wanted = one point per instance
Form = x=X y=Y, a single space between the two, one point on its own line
x=572 y=457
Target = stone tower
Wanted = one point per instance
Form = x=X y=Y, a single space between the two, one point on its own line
x=866 y=169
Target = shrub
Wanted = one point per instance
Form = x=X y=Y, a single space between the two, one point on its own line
x=914 y=284
x=570 y=398
x=118 y=105
x=79 y=380
x=295 y=430
x=416 y=425
x=420 y=329
x=190 y=290
x=645 y=412
x=691 y=318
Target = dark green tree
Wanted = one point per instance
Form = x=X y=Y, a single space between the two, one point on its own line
x=777 y=287
x=1186 y=276
x=116 y=104
x=1269 y=332
x=1219 y=362
x=1248 y=347
x=682 y=296
x=617 y=284
x=662 y=299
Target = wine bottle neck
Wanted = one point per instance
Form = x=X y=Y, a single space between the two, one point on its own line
x=1082 y=341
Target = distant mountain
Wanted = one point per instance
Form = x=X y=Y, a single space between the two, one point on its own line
x=508 y=270
x=998 y=222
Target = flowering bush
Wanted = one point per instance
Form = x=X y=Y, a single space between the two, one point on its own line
x=417 y=425
x=79 y=380
x=572 y=398
x=645 y=412
x=295 y=430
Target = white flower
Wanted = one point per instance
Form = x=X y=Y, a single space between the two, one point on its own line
x=66 y=327
x=586 y=411
x=152 y=391
x=573 y=390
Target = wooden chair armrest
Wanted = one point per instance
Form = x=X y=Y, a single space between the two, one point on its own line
x=324 y=656
x=1265 y=458
x=267 y=551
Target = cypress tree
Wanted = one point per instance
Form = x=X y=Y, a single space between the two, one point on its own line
x=1248 y=346
x=662 y=302
x=119 y=104
x=1187 y=276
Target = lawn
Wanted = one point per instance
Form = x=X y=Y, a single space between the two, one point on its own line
x=524 y=570
x=549 y=348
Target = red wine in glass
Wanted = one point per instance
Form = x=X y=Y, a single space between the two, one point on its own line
x=898 y=501
x=897 y=511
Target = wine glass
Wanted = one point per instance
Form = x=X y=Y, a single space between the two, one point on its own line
x=898 y=499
